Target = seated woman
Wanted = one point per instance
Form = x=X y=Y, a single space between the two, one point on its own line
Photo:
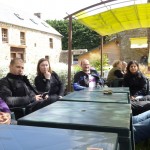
x=137 y=84
x=135 y=80
x=48 y=81
x=115 y=74
x=5 y=117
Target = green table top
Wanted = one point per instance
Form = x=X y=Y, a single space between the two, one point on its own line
x=16 y=137
x=87 y=96
x=114 y=89
x=103 y=117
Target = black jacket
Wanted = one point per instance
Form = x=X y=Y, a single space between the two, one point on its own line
x=16 y=91
x=54 y=86
x=137 y=83
x=82 y=79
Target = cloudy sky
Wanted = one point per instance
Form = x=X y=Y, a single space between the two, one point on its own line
x=50 y=9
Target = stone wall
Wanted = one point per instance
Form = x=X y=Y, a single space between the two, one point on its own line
x=64 y=55
x=127 y=53
x=110 y=49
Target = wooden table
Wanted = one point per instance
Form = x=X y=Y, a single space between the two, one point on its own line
x=102 y=117
x=16 y=137
x=100 y=97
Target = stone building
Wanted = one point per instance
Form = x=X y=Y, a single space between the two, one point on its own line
x=28 y=37
x=75 y=54
x=111 y=50
x=127 y=51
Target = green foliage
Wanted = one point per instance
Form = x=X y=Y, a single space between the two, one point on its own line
x=77 y=68
x=144 y=145
x=82 y=37
x=96 y=62
x=3 y=71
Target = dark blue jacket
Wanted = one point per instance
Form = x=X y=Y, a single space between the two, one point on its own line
x=81 y=80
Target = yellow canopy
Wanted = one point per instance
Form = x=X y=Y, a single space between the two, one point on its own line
x=118 y=19
x=139 y=42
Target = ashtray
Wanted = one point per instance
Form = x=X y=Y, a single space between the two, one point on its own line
x=107 y=92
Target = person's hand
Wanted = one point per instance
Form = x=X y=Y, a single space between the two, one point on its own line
x=59 y=97
x=38 y=97
x=5 y=118
x=46 y=97
x=132 y=98
x=47 y=75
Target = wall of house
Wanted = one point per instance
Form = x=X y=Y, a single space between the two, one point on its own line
x=64 y=55
x=111 y=49
x=128 y=53
x=37 y=44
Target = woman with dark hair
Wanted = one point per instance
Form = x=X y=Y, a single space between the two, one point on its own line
x=135 y=80
x=47 y=81
x=137 y=84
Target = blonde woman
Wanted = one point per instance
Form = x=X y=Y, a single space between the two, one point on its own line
x=115 y=73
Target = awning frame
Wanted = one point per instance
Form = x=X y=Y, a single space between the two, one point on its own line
x=70 y=17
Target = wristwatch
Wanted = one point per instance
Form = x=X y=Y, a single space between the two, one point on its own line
x=60 y=97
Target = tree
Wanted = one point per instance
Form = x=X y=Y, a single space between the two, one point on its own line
x=83 y=37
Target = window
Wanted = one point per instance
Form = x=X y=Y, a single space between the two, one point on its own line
x=17 y=53
x=47 y=57
x=51 y=42
x=22 y=38
x=75 y=59
x=4 y=35
x=33 y=21
x=44 y=24
x=139 y=42
x=18 y=16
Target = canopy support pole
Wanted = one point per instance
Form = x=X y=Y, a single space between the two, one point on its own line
x=69 y=54
x=101 y=52
x=148 y=42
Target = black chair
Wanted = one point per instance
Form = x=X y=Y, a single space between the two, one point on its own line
x=17 y=112
x=116 y=83
x=147 y=88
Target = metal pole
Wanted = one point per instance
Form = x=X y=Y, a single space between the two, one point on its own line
x=101 y=56
x=69 y=53
x=86 y=8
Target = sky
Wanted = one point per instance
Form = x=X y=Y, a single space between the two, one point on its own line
x=49 y=9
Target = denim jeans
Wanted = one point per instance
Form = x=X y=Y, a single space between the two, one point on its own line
x=141 y=126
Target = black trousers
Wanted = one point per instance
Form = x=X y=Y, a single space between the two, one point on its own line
x=38 y=105
x=140 y=106
x=20 y=112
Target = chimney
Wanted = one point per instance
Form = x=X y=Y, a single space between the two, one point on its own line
x=38 y=15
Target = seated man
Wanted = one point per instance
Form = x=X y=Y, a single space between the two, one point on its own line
x=5 y=117
x=18 y=93
x=88 y=77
